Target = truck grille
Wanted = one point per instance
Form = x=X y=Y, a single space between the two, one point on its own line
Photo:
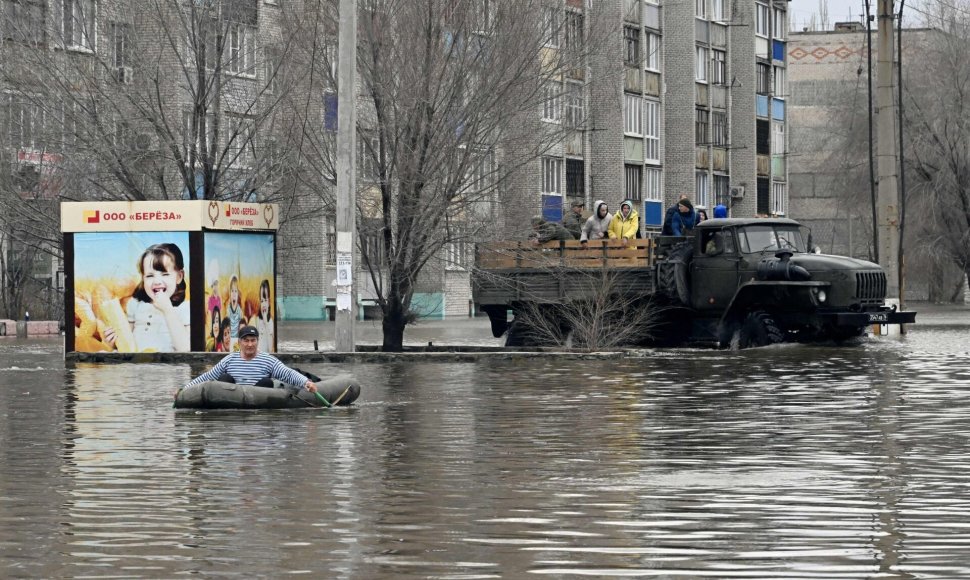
x=870 y=285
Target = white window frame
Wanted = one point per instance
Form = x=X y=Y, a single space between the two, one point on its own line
x=456 y=255
x=701 y=64
x=84 y=37
x=779 y=80
x=777 y=137
x=550 y=25
x=718 y=67
x=241 y=130
x=632 y=115
x=700 y=9
x=241 y=46
x=651 y=131
x=552 y=176
x=652 y=184
x=719 y=128
x=761 y=19
x=552 y=103
x=702 y=189
x=574 y=105
x=633 y=181
x=780 y=29
x=779 y=198
x=718 y=10
x=651 y=56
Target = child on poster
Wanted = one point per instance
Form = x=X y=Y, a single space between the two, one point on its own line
x=234 y=310
x=214 y=337
x=264 y=319
x=157 y=310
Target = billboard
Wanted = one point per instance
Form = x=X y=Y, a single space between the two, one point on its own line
x=131 y=292
x=240 y=289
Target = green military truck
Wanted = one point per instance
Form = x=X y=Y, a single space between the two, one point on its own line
x=734 y=282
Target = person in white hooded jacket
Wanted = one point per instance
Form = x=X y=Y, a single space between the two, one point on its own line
x=598 y=224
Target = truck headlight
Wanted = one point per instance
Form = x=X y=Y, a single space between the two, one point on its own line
x=821 y=296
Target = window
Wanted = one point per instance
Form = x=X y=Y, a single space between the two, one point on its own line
x=701 y=126
x=550 y=25
x=197 y=133
x=239 y=141
x=367 y=156
x=575 y=178
x=780 y=25
x=574 y=34
x=26 y=122
x=701 y=197
x=24 y=21
x=552 y=103
x=242 y=48
x=484 y=15
x=722 y=191
x=651 y=118
x=719 y=128
x=271 y=68
x=652 y=46
x=575 y=110
x=700 y=9
x=74 y=21
x=456 y=257
x=719 y=67
x=632 y=177
x=777 y=138
x=718 y=12
x=552 y=175
x=330 y=226
x=632 y=116
x=371 y=241
x=780 y=79
x=779 y=199
x=631 y=42
x=701 y=72
x=761 y=20
x=763 y=81
x=119 y=35
x=652 y=186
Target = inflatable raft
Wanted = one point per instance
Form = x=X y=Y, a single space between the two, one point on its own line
x=340 y=390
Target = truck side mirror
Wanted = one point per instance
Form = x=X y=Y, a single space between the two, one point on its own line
x=816 y=250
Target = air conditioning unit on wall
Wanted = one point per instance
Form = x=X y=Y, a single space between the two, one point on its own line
x=737 y=191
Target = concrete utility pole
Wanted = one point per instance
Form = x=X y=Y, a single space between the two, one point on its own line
x=346 y=175
x=887 y=154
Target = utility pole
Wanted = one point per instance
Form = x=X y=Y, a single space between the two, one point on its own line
x=346 y=175
x=887 y=154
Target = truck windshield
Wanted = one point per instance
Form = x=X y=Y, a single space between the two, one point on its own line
x=767 y=238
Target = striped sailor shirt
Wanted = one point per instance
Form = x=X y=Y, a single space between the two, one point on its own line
x=247 y=372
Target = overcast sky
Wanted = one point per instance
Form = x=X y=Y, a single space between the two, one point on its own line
x=842 y=10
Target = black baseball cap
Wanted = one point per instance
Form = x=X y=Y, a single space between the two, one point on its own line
x=245 y=331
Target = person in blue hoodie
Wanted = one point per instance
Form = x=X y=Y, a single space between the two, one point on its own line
x=684 y=219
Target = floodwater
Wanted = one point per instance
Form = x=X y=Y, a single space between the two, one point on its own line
x=782 y=462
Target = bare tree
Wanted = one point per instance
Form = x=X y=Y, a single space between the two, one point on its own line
x=452 y=95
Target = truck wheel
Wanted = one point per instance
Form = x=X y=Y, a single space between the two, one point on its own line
x=759 y=329
x=844 y=334
x=672 y=273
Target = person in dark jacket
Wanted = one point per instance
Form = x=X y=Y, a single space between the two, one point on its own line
x=574 y=220
x=685 y=219
x=669 y=218
x=543 y=231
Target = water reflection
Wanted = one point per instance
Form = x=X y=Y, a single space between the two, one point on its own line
x=794 y=461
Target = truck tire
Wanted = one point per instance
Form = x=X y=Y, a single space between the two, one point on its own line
x=672 y=274
x=759 y=329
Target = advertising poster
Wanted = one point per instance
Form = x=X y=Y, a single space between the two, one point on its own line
x=240 y=289
x=131 y=292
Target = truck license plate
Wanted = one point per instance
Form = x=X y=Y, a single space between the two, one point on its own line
x=878 y=317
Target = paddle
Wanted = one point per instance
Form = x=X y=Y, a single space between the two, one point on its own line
x=325 y=402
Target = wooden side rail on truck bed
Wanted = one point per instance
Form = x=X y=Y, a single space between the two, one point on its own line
x=597 y=254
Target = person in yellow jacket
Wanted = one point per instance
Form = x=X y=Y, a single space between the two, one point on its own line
x=626 y=223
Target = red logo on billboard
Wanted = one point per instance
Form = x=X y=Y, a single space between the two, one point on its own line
x=92 y=216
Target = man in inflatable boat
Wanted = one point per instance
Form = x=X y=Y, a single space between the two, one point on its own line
x=251 y=367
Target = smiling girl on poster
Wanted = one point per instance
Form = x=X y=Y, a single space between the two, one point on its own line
x=234 y=311
x=263 y=321
x=157 y=310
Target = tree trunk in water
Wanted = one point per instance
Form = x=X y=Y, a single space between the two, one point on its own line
x=393 y=326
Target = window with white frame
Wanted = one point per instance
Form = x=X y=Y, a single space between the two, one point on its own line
x=552 y=103
x=456 y=255
x=779 y=199
x=700 y=9
x=780 y=82
x=632 y=115
x=651 y=59
x=762 y=78
x=239 y=141
x=367 y=156
x=703 y=121
x=575 y=110
x=552 y=175
x=484 y=15
x=550 y=25
x=25 y=20
x=74 y=21
x=778 y=138
x=242 y=48
x=632 y=177
x=631 y=43
x=781 y=24
x=700 y=74
x=271 y=69
x=652 y=184
x=719 y=67
x=198 y=132
x=718 y=10
x=651 y=131
x=25 y=121
x=574 y=34
x=761 y=20
x=702 y=194
x=719 y=128
x=722 y=190
x=119 y=35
